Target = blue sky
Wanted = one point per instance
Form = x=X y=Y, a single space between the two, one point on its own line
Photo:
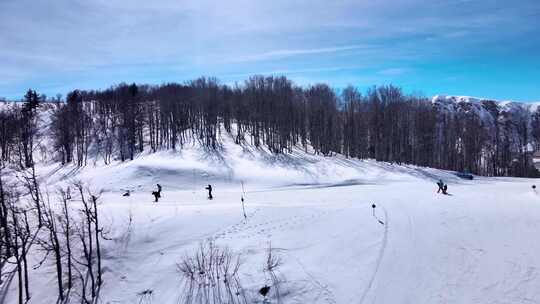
x=478 y=48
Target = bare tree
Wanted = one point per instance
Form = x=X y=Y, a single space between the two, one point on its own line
x=89 y=233
x=272 y=112
x=67 y=231
x=53 y=244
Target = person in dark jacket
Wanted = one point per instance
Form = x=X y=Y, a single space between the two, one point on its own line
x=209 y=188
x=157 y=194
x=441 y=186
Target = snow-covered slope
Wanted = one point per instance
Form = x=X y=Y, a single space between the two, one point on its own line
x=476 y=245
x=193 y=166
x=488 y=110
x=453 y=102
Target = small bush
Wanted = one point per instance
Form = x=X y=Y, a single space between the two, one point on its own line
x=211 y=275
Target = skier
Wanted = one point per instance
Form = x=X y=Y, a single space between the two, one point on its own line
x=209 y=188
x=127 y=193
x=157 y=194
x=441 y=186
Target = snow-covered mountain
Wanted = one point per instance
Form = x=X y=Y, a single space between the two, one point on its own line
x=487 y=109
x=517 y=122
x=504 y=104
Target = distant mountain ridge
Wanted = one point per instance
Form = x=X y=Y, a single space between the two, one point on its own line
x=490 y=111
x=503 y=105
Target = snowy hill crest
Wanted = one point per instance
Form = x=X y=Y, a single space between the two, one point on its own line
x=503 y=105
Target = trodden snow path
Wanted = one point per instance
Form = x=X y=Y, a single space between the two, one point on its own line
x=478 y=245
x=308 y=228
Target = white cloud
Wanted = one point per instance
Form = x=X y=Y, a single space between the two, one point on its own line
x=278 y=54
x=43 y=39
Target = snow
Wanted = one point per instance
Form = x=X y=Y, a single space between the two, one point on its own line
x=476 y=245
x=453 y=103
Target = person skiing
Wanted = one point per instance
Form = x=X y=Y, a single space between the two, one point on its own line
x=157 y=194
x=209 y=188
x=127 y=193
x=441 y=186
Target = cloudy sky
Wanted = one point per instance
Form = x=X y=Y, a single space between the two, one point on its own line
x=485 y=48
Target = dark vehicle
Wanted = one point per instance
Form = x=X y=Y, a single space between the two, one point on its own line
x=465 y=175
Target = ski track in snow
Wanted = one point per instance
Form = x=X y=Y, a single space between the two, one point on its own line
x=245 y=229
x=380 y=255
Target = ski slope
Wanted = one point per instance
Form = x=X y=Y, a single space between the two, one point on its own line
x=477 y=245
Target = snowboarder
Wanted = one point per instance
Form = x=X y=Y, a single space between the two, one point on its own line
x=127 y=193
x=209 y=188
x=441 y=186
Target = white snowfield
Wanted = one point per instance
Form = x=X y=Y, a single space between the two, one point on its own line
x=477 y=245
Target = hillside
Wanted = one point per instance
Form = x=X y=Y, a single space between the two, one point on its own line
x=310 y=206
x=316 y=214
x=485 y=137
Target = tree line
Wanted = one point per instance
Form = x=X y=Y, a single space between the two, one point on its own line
x=383 y=124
